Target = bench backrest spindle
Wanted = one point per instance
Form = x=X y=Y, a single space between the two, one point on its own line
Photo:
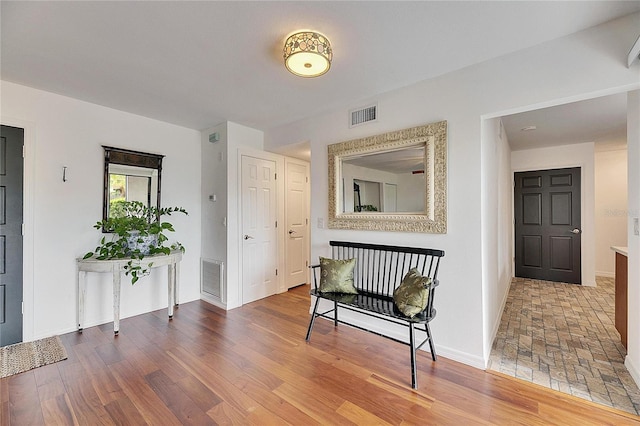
x=380 y=268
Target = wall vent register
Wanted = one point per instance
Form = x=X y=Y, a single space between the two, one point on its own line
x=363 y=115
x=212 y=278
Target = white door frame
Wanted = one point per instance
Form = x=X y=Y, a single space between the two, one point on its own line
x=279 y=160
x=28 y=220
x=307 y=207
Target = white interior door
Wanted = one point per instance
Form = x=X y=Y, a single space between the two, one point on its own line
x=259 y=215
x=297 y=223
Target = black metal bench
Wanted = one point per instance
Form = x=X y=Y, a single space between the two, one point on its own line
x=379 y=270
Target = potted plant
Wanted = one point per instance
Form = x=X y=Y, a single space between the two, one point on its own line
x=137 y=231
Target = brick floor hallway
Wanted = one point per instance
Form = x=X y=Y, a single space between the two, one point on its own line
x=562 y=336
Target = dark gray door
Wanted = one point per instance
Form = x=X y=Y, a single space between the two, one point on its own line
x=547 y=225
x=11 y=166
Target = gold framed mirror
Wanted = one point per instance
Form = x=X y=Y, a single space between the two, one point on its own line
x=395 y=181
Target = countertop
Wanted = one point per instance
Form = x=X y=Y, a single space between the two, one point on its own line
x=622 y=250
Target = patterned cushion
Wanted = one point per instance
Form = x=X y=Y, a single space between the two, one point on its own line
x=336 y=276
x=412 y=294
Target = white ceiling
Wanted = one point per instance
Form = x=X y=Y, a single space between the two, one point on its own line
x=197 y=64
x=600 y=120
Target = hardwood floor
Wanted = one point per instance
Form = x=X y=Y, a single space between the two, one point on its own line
x=251 y=365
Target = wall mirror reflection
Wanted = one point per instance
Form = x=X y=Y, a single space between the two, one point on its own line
x=388 y=182
x=395 y=181
x=130 y=176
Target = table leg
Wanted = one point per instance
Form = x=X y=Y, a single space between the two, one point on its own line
x=176 y=274
x=171 y=278
x=116 y=300
x=82 y=277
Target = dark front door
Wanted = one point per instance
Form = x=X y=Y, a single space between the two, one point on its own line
x=547 y=225
x=11 y=166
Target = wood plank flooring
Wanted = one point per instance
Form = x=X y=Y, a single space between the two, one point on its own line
x=251 y=365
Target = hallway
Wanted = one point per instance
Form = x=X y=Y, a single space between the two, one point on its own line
x=562 y=336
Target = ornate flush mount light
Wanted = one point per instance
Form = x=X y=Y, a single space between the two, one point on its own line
x=307 y=54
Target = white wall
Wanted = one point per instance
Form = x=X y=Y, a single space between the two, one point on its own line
x=221 y=224
x=610 y=208
x=497 y=225
x=632 y=362
x=411 y=192
x=572 y=68
x=59 y=216
x=214 y=213
x=565 y=156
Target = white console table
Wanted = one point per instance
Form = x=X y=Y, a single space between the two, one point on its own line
x=116 y=267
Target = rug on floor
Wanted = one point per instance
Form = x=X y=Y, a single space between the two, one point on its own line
x=25 y=356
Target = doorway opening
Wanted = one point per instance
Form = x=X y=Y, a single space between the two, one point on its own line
x=296 y=231
x=589 y=134
x=275 y=224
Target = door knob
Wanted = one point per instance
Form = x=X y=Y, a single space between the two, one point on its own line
x=575 y=231
x=291 y=231
x=246 y=237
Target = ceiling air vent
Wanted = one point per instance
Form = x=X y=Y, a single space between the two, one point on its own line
x=363 y=115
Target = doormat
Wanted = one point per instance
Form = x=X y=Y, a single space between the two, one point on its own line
x=25 y=356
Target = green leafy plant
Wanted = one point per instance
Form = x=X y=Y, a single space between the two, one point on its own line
x=134 y=223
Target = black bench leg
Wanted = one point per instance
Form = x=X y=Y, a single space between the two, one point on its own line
x=335 y=314
x=431 y=345
x=313 y=319
x=412 y=344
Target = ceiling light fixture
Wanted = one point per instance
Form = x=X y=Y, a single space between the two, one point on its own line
x=307 y=54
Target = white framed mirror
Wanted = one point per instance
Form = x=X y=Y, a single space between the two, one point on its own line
x=395 y=181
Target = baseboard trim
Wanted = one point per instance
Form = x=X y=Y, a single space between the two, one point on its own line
x=633 y=371
x=400 y=332
x=211 y=300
